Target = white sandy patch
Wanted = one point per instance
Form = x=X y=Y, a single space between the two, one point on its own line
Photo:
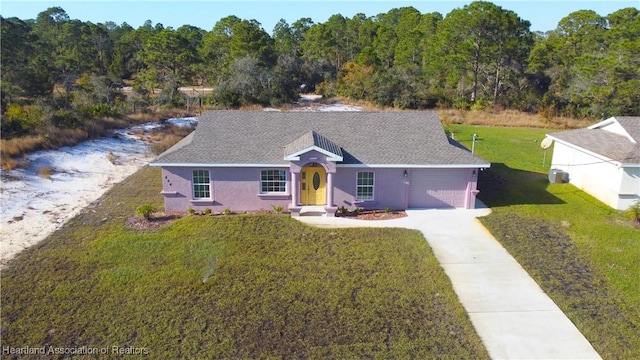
x=33 y=206
x=308 y=103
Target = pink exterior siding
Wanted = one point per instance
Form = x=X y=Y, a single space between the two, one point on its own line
x=442 y=188
x=389 y=189
x=239 y=188
x=235 y=188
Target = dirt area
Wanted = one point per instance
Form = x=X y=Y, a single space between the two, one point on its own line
x=155 y=221
x=373 y=215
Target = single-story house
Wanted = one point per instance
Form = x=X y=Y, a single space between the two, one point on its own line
x=252 y=160
x=603 y=159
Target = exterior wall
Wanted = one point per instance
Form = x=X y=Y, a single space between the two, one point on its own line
x=594 y=175
x=629 y=188
x=453 y=188
x=235 y=188
x=389 y=189
x=239 y=188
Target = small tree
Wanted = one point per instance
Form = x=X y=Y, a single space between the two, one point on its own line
x=634 y=212
x=145 y=211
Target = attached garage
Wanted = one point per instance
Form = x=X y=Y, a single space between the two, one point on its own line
x=438 y=188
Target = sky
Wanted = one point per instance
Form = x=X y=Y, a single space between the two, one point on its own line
x=542 y=14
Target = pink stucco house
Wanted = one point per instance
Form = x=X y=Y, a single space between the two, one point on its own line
x=252 y=160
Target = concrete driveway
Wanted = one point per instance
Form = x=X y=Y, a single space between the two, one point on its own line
x=513 y=316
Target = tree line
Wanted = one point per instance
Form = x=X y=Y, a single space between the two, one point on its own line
x=60 y=70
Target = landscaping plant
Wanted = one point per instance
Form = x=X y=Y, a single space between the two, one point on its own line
x=145 y=210
x=634 y=212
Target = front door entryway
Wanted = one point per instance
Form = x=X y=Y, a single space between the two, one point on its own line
x=312 y=185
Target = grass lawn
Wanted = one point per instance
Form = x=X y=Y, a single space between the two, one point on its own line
x=240 y=286
x=585 y=255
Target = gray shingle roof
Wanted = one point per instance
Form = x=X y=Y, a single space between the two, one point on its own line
x=258 y=137
x=631 y=124
x=608 y=144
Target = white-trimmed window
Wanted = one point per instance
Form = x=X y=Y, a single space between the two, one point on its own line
x=364 y=186
x=273 y=181
x=201 y=181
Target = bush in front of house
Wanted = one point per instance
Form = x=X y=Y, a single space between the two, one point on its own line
x=145 y=211
x=634 y=212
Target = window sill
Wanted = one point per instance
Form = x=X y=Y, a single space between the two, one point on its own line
x=365 y=203
x=202 y=201
x=275 y=195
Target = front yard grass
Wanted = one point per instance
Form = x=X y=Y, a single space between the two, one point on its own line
x=242 y=286
x=584 y=254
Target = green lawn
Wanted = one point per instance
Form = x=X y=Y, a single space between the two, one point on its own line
x=585 y=255
x=239 y=286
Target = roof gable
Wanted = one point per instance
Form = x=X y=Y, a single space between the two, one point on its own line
x=621 y=125
x=233 y=138
x=309 y=141
x=631 y=124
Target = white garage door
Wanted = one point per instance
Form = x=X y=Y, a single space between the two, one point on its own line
x=437 y=188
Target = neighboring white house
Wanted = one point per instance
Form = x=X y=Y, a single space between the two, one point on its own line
x=603 y=159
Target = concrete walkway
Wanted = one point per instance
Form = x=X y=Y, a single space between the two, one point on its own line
x=513 y=316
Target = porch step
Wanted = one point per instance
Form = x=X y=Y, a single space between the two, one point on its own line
x=313 y=211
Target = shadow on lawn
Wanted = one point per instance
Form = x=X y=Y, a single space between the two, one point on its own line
x=501 y=185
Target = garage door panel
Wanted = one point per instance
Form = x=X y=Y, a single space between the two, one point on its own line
x=437 y=188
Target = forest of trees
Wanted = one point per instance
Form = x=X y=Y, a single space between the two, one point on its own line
x=58 y=70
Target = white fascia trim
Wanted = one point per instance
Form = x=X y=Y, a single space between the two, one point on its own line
x=330 y=156
x=199 y=165
x=414 y=166
x=576 y=147
x=389 y=166
x=605 y=122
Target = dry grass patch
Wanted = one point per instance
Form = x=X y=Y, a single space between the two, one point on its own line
x=51 y=138
x=45 y=172
x=7 y=163
x=251 y=107
x=155 y=115
x=57 y=137
x=113 y=158
x=511 y=118
x=19 y=146
x=167 y=136
x=48 y=139
x=112 y=123
x=486 y=117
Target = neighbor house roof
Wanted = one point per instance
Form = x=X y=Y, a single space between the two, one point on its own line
x=236 y=138
x=612 y=145
x=631 y=124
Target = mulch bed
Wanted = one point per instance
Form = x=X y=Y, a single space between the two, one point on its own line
x=374 y=215
x=155 y=221
x=160 y=218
